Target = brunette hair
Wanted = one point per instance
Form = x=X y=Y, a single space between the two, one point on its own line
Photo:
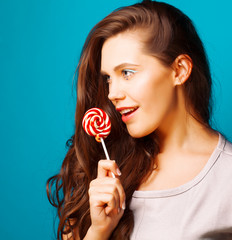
x=169 y=33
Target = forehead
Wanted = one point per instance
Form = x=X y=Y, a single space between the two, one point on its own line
x=123 y=47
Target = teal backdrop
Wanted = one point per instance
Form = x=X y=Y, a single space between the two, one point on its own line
x=40 y=43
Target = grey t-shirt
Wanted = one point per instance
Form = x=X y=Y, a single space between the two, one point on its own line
x=192 y=210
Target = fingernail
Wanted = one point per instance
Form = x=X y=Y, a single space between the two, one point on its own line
x=124 y=205
x=118 y=172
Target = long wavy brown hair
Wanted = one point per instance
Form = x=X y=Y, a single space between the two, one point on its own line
x=166 y=33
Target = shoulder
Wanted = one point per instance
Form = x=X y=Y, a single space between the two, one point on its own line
x=223 y=160
x=226 y=148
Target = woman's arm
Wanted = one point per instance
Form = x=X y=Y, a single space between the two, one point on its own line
x=107 y=203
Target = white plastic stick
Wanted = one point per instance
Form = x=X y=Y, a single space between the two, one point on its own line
x=106 y=153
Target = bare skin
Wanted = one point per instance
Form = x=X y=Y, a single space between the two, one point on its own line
x=181 y=163
x=155 y=91
x=185 y=147
x=107 y=202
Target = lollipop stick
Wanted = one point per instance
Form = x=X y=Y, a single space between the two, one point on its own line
x=104 y=148
x=106 y=153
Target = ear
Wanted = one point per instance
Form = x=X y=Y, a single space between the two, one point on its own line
x=182 y=67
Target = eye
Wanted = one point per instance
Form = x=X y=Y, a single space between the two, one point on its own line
x=107 y=78
x=128 y=73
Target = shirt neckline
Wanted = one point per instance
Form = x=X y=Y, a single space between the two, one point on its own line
x=185 y=187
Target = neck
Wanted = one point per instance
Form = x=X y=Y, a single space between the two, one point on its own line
x=181 y=131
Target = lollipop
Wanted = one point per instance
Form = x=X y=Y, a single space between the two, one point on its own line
x=97 y=123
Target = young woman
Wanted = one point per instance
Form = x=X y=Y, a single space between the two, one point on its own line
x=146 y=67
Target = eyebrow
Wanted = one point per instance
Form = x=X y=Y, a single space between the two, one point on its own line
x=120 y=66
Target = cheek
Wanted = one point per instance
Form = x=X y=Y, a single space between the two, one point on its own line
x=159 y=97
x=159 y=88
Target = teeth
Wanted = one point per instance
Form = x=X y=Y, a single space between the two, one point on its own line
x=124 y=111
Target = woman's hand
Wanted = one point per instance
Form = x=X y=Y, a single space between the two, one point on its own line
x=107 y=200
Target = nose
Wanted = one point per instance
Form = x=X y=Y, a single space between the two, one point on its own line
x=116 y=91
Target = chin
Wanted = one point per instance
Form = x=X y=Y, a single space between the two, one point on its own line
x=138 y=134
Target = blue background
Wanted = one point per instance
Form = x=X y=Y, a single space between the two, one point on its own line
x=40 y=43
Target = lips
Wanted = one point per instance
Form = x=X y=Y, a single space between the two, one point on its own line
x=127 y=112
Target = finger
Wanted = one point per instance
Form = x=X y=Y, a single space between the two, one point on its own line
x=110 y=185
x=107 y=185
x=107 y=166
x=104 y=201
x=118 y=212
x=121 y=192
x=107 y=188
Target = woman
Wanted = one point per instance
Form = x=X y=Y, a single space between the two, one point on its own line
x=146 y=67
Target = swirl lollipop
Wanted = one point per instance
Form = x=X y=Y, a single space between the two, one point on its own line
x=97 y=123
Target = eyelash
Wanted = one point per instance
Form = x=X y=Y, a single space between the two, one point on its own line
x=106 y=78
x=130 y=71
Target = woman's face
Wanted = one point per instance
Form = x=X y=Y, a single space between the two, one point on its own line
x=140 y=87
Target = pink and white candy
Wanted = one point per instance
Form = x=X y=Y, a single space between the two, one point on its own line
x=96 y=123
